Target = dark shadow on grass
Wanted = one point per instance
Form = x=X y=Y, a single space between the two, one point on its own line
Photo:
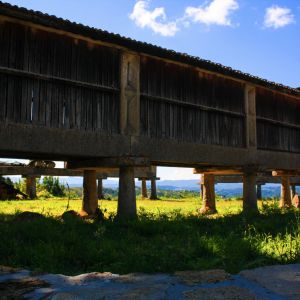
x=151 y=243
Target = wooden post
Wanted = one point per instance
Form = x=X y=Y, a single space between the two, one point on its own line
x=90 y=201
x=144 y=189
x=153 y=195
x=100 y=188
x=258 y=191
x=285 y=200
x=130 y=94
x=249 y=192
x=127 y=197
x=208 y=197
x=250 y=111
x=31 y=186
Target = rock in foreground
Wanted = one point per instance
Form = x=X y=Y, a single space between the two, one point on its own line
x=275 y=283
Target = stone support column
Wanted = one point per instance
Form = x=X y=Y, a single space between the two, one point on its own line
x=208 y=195
x=100 y=188
x=258 y=191
x=153 y=195
x=31 y=187
x=285 y=200
x=249 y=192
x=90 y=200
x=127 y=196
x=144 y=189
x=293 y=191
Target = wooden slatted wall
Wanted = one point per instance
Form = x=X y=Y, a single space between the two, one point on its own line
x=278 y=121
x=52 y=80
x=184 y=104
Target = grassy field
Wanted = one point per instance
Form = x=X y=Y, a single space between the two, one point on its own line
x=169 y=235
x=56 y=206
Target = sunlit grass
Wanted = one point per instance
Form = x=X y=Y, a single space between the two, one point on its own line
x=56 y=206
x=168 y=235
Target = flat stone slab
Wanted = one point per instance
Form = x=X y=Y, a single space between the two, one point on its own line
x=283 y=280
x=274 y=283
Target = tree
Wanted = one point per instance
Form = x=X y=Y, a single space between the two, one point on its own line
x=53 y=186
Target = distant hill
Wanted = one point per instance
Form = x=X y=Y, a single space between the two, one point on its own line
x=222 y=189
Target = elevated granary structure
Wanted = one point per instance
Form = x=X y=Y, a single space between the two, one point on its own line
x=97 y=100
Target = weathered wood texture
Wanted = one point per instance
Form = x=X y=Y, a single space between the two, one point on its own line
x=183 y=103
x=52 y=80
x=278 y=122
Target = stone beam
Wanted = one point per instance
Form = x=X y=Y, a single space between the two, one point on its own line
x=140 y=172
x=286 y=173
x=108 y=162
x=217 y=170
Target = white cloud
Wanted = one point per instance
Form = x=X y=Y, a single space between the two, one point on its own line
x=277 y=17
x=155 y=20
x=216 y=13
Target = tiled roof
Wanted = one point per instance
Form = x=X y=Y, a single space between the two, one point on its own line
x=104 y=36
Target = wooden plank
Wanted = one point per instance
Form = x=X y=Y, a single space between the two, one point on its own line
x=4 y=44
x=26 y=100
x=86 y=85
x=3 y=96
x=196 y=106
x=108 y=162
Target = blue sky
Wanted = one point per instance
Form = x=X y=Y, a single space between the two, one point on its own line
x=261 y=37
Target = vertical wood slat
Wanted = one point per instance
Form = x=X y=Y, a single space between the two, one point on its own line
x=187 y=85
x=3 y=96
x=280 y=108
x=187 y=124
x=57 y=105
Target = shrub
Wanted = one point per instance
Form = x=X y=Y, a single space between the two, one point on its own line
x=53 y=186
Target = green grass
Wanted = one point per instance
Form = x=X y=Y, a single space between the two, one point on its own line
x=56 y=206
x=168 y=236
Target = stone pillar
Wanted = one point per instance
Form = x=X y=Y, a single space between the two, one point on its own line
x=153 y=195
x=31 y=186
x=258 y=191
x=144 y=189
x=100 y=188
x=208 y=195
x=130 y=93
x=285 y=200
x=293 y=191
x=249 y=192
x=201 y=190
x=127 y=197
x=250 y=110
x=90 y=201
